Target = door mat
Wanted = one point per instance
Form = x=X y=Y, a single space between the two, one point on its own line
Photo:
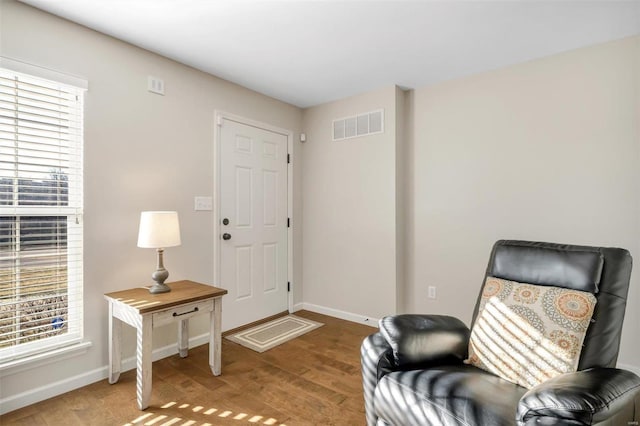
x=273 y=333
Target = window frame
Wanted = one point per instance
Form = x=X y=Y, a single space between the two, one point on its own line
x=72 y=339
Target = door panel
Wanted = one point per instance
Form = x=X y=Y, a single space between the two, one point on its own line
x=253 y=196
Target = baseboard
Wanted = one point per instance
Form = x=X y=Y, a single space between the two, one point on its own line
x=349 y=316
x=41 y=393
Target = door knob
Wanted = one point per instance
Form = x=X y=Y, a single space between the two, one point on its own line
x=226 y=236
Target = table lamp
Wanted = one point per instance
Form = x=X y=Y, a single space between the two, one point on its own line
x=159 y=230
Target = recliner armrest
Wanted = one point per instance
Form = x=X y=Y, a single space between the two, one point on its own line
x=417 y=339
x=584 y=397
x=377 y=360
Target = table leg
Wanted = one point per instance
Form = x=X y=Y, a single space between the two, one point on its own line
x=183 y=338
x=143 y=361
x=115 y=339
x=215 y=349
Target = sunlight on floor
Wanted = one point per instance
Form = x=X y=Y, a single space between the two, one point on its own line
x=149 y=419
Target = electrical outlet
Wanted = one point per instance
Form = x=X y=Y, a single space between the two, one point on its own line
x=431 y=292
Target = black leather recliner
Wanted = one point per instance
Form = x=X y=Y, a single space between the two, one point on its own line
x=413 y=370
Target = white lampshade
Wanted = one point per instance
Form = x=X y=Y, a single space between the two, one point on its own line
x=159 y=230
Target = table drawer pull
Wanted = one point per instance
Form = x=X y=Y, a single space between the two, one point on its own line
x=183 y=312
x=175 y=314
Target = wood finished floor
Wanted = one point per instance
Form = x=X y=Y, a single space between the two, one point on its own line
x=312 y=380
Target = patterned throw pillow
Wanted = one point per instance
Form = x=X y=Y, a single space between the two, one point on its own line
x=528 y=333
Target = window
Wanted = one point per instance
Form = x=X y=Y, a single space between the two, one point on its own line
x=40 y=214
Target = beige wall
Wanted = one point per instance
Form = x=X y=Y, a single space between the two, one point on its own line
x=349 y=210
x=402 y=197
x=547 y=150
x=142 y=152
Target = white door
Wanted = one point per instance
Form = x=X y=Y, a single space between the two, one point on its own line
x=253 y=222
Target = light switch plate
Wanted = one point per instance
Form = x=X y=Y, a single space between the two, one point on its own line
x=203 y=203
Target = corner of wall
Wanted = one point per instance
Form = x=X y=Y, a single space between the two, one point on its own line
x=349 y=226
x=401 y=198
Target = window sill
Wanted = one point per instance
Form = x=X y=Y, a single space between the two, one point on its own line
x=27 y=363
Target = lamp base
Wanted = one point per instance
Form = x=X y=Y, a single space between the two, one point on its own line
x=160 y=276
x=159 y=288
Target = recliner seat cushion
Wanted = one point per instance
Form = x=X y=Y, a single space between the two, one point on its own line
x=527 y=333
x=447 y=395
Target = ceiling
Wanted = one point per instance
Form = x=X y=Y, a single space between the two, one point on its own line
x=309 y=52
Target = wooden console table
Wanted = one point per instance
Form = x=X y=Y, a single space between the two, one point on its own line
x=143 y=311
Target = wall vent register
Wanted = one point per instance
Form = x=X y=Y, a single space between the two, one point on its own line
x=368 y=123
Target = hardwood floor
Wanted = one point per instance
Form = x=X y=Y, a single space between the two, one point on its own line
x=311 y=380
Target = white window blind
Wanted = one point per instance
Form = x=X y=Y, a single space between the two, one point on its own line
x=40 y=214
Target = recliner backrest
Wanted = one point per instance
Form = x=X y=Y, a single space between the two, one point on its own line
x=603 y=271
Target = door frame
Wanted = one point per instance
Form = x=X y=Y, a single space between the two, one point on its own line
x=219 y=116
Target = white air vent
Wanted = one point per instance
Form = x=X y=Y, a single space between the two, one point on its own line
x=368 y=123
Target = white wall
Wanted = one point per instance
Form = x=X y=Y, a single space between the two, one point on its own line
x=142 y=152
x=349 y=201
x=547 y=150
